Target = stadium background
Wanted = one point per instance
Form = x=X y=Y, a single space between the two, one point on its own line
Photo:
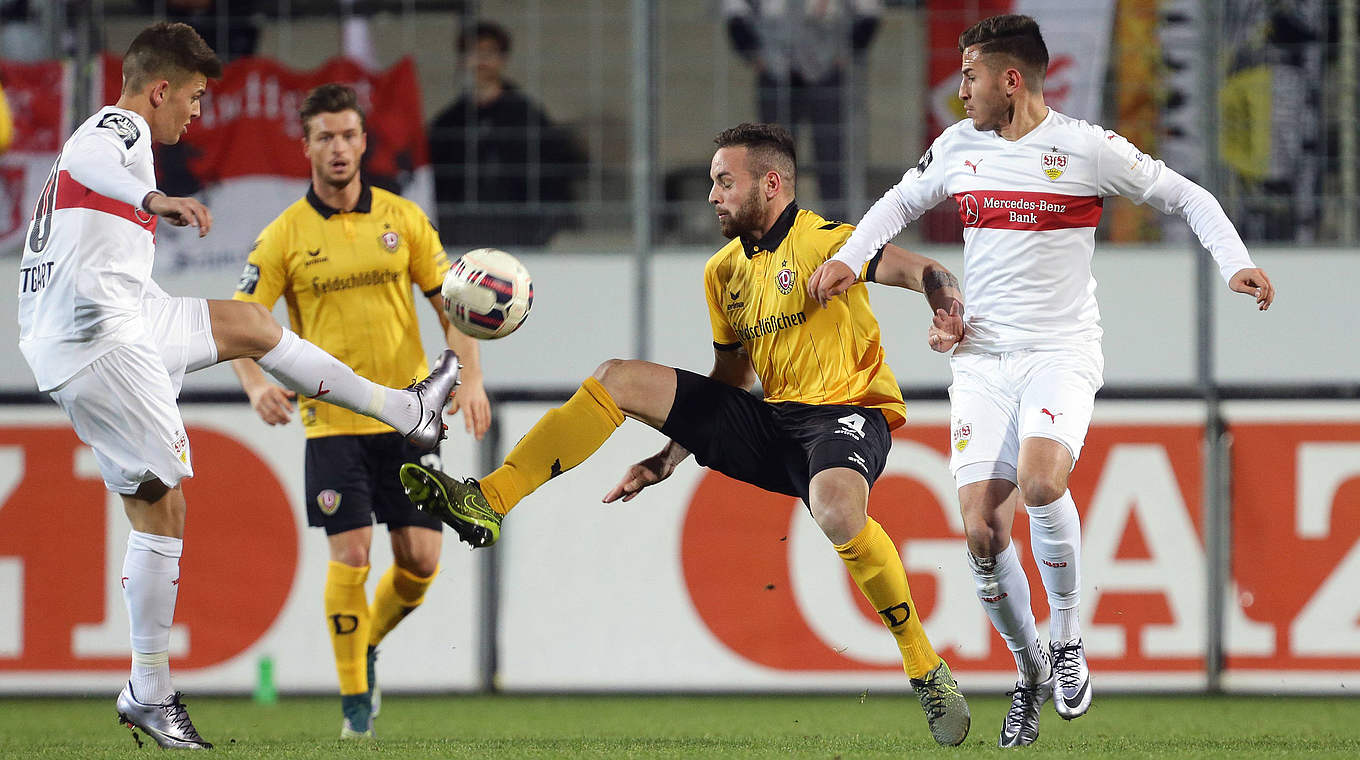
x=1220 y=489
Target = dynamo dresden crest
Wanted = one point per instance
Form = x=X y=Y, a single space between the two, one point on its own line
x=390 y=241
x=1054 y=164
x=785 y=280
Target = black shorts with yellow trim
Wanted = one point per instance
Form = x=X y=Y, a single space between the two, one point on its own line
x=352 y=480
x=774 y=446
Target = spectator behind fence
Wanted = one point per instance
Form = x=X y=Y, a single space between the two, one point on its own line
x=503 y=170
x=801 y=50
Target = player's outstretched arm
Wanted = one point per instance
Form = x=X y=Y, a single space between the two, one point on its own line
x=905 y=269
x=1255 y=283
x=181 y=212
x=273 y=403
x=470 y=397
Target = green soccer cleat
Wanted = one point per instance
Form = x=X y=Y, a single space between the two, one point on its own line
x=358 y=721
x=461 y=505
x=946 y=709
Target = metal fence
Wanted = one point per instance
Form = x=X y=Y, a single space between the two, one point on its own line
x=632 y=91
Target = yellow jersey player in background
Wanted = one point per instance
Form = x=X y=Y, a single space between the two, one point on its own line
x=822 y=431
x=344 y=259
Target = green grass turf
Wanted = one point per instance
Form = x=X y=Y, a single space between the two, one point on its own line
x=849 y=726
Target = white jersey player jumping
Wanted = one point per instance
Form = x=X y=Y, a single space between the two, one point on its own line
x=1029 y=183
x=112 y=348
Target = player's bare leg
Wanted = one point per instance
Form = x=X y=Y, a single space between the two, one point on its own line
x=150 y=588
x=1055 y=541
x=988 y=508
x=242 y=329
x=838 y=500
x=562 y=439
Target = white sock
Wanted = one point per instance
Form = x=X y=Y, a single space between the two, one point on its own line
x=1055 y=539
x=150 y=588
x=305 y=368
x=1003 y=590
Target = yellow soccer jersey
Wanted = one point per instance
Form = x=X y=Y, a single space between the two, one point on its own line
x=346 y=278
x=757 y=297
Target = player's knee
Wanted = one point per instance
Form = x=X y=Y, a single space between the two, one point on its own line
x=354 y=555
x=618 y=378
x=1038 y=490
x=260 y=327
x=985 y=537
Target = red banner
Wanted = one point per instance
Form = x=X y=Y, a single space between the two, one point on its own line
x=250 y=127
x=39 y=97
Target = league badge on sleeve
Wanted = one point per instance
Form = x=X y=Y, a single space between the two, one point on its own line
x=123 y=127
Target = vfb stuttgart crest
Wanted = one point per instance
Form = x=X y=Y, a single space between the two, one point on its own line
x=785 y=280
x=963 y=433
x=390 y=241
x=1054 y=164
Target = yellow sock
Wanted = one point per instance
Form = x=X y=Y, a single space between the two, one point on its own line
x=398 y=594
x=348 y=622
x=562 y=439
x=872 y=559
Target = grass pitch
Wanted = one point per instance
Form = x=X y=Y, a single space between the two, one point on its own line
x=849 y=726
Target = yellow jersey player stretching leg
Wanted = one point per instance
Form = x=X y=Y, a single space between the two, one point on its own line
x=822 y=432
x=344 y=258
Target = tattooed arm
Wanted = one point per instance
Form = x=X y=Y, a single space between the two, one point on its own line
x=904 y=269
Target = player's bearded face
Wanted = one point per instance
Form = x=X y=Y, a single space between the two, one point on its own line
x=744 y=218
x=335 y=144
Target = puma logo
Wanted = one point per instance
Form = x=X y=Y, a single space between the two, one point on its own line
x=972 y=165
x=556 y=469
x=321 y=390
x=1052 y=416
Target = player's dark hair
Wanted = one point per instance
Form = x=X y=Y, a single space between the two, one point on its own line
x=770 y=146
x=484 y=30
x=1014 y=36
x=171 y=51
x=329 y=98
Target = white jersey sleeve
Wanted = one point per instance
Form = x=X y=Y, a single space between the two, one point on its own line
x=101 y=159
x=1124 y=170
x=921 y=188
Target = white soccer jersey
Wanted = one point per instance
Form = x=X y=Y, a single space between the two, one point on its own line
x=88 y=254
x=1030 y=209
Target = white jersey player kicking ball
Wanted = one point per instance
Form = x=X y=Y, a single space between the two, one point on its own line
x=112 y=348
x=1029 y=183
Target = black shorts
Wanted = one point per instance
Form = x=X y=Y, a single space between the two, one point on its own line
x=780 y=446
x=351 y=479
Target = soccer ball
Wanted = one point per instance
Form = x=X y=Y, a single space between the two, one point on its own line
x=487 y=293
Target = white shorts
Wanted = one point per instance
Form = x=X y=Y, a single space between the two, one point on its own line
x=999 y=399
x=123 y=404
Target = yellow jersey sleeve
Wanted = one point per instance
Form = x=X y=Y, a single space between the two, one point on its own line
x=723 y=334
x=6 y=123
x=429 y=263
x=264 y=277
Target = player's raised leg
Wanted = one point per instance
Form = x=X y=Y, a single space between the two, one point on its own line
x=562 y=439
x=243 y=329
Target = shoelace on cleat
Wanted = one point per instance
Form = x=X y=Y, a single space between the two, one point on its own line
x=178 y=714
x=1067 y=665
x=1022 y=697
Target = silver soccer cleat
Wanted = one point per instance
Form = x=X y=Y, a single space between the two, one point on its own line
x=166 y=722
x=432 y=394
x=1072 y=692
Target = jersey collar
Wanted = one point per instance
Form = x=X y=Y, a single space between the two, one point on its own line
x=363 y=206
x=775 y=236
